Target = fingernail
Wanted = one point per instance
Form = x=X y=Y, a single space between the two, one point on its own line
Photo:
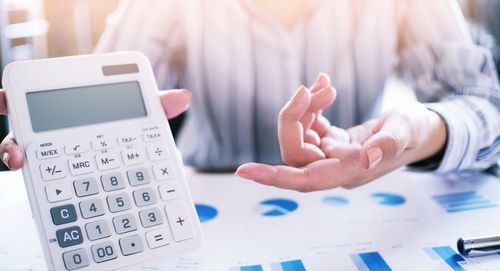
x=5 y=158
x=189 y=93
x=374 y=157
x=242 y=174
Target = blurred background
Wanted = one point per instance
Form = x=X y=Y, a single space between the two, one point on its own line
x=51 y=28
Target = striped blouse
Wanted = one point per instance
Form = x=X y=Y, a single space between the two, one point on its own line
x=243 y=66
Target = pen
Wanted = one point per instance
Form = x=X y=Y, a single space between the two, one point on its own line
x=479 y=246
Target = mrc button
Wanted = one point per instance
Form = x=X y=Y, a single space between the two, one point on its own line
x=69 y=236
x=63 y=214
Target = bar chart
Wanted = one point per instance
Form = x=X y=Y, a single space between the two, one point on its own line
x=463 y=201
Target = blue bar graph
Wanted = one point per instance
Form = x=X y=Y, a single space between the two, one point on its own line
x=463 y=201
x=448 y=255
x=247 y=268
x=370 y=261
x=295 y=265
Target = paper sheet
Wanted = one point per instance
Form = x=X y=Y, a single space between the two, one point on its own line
x=403 y=221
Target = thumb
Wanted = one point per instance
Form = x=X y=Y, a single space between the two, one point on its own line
x=387 y=143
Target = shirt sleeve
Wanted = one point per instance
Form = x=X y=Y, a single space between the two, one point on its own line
x=153 y=27
x=455 y=78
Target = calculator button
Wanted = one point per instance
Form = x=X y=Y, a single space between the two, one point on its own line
x=138 y=176
x=100 y=144
x=53 y=171
x=163 y=171
x=124 y=223
x=91 y=208
x=118 y=202
x=79 y=166
x=47 y=150
x=69 y=236
x=75 y=259
x=76 y=148
x=97 y=230
x=107 y=161
x=151 y=136
x=104 y=252
x=157 y=238
x=128 y=140
x=112 y=181
x=144 y=197
x=63 y=214
x=133 y=156
x=131 y=245
x=157 y=152
x=58 y=191
x=86 y=187
x=151 y=217
x=179 y=222
x=169 y=191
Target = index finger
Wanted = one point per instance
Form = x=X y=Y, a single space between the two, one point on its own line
x=3 y=103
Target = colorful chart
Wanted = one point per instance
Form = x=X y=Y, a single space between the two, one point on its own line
x=335 y=200
x=295 y=265
x=247 y=268
x=389 y=199
x=463 y=201
x=205 y=212
x=370 y=261
x=277 y=207
x=446 y=254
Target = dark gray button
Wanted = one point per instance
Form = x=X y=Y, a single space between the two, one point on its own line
x=63 y=214
x=131 y=245
x=75 y=259
x=104 y=252
x=69 y=236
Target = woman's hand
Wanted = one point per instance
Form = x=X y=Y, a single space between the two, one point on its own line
x=322 y=156
x=174 y=102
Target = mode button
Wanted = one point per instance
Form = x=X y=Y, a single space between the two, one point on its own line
x=47 y=150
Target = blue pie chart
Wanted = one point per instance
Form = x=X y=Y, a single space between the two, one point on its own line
x=205 y=212
x=388 y=199
x=277 y=207
x=335 y=200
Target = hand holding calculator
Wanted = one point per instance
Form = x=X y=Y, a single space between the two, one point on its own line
x=104 y=180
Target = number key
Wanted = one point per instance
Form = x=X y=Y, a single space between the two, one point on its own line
x=97 y=230
x=144 y=197
x=151 y=217
x=112 y=181
x=75 y=259
x=91 y=208
x=86 y=187
x=124 y=223
x=118 y=202
x=104 y=252
x=138 y=176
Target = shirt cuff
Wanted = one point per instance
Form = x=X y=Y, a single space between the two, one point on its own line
x=459 y=151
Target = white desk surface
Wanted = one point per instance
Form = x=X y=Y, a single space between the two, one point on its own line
x=329 y=230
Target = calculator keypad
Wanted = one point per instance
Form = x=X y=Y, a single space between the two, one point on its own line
x=139 y=207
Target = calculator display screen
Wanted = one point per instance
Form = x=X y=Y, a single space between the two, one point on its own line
x=71 y=107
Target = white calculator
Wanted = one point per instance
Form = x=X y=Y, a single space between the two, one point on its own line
x=103 y=176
